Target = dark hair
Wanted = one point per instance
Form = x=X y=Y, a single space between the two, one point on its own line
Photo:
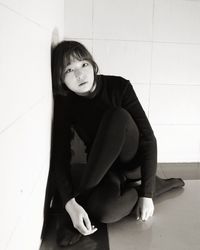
x=60 y=57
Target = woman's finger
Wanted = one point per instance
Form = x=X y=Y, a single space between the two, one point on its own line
x=143 y=212
x=137 y=213
x=87 y=222
x=81 y=227
x=151 y=214
x=144 y=215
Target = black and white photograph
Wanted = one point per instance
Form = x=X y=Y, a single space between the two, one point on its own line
x=100 y=124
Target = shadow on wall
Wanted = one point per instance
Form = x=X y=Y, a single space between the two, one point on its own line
x=55 y=37
x=54 y=40
x=49 y=193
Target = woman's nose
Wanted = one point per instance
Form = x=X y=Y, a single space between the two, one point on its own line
x=78 y=74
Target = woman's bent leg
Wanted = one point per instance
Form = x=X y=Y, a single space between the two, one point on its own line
x=108 y=203
x=117 y=137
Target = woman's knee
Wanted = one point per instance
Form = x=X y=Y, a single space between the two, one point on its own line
x=119 y=113
x=103 y=214
x=120 y=117
x=109 y=211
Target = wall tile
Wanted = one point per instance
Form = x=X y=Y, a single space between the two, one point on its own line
x=44 y=13
x=30 y=222
x=173 y=70
x=25 y=79
x=24 y=151
x=131 y=60
x=25 y=66
x=173 y=104
x=177 y=21
x=177 y=143
x=78 y=18
x=176 y=63
x=126 y=20
x=142 y=92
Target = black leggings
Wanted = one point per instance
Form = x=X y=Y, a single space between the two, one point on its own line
x=99 y=186
x=116 y=144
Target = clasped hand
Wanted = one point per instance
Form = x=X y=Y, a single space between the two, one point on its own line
x=144 y=209
x=80 y=218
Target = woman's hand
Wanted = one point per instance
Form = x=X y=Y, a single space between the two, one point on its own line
x=145 y=208
x=79 y=218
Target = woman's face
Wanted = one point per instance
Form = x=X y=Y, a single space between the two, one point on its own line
x=78 y=76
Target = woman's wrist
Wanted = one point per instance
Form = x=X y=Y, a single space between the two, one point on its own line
x=70 y=204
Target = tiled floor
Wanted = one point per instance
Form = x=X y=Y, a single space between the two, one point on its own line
x=175 y=225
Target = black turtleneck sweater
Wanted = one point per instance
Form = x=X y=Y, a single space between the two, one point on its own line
x=84 y=113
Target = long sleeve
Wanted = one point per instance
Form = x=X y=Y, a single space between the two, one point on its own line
x=60 y=151
x=147 y=145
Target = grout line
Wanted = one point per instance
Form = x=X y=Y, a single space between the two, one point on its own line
x=151 y=62
x=153 y=15
x=177 y=84
x=33 y=106
x=176 y=124
x=25 y=17
x=92 y=27
x=177 y=43
x=136 y=41
x=170 y=84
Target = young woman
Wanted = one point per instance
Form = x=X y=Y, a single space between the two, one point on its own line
x=121 y=146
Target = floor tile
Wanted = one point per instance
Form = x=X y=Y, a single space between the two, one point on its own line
x=175 y=225
x=160 y=172
x=97 y=241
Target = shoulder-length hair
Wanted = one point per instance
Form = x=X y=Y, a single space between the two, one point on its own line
x=61 y=55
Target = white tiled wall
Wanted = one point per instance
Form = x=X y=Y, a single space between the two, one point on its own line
x=131 y=59
x=25 y=116
x=177 y=21
x=176 y=63
x=156 y=45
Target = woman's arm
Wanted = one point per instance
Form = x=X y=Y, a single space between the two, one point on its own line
x=147 y=145
x=79 y=217
x=61 y=151
x=144 y=209
x=147 y=151
x=60 y=165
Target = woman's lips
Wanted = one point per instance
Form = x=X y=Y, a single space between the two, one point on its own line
x=81 y=84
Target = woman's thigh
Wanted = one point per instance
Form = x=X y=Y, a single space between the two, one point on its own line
x=111 y=200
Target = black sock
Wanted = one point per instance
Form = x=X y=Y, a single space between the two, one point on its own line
x=66 y=234
x=164 y=185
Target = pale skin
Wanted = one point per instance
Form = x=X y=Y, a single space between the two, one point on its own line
x=79 y=78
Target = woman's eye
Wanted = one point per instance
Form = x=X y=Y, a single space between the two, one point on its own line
x=68 y=71
x=85 y=64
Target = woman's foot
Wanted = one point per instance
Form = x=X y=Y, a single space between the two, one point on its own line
x=66 y=237
x=66 y=234
x=164 y=185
